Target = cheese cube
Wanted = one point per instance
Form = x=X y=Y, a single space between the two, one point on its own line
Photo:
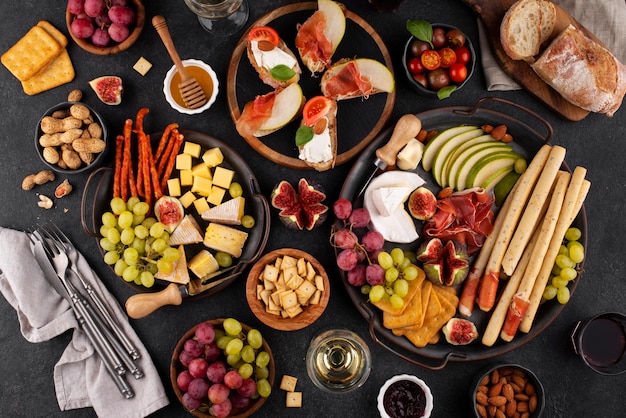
x=173 y=187
x=192 y=149
x=216 y=196
x=201 y=170
x=224 y=238
x=187 y=199
x=223 y=177
x=183 y=162
x=202 y=186
x=201 y=205
x=203 y=264
x=213 y=157
x=186 y=178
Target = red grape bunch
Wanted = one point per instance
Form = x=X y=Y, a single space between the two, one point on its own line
x=102 y=22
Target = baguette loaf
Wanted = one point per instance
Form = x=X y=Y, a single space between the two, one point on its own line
x=525 y=26
x=585 y=73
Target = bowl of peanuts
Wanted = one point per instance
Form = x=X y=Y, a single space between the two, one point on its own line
x=507 y=390
x=71 y=138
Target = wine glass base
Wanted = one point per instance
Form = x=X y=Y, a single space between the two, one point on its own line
x=227 y=26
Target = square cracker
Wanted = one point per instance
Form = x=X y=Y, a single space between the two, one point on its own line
x=414 y=285
x=58 y=72
x=413 y=315
x=31 y=53
x=433 y=320
x=54 y=32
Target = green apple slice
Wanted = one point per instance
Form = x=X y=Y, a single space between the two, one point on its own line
x=452 y=156
x=335 y=21
x=470 y=156
x=489 y=166
x=438 y=140
x=287 y=105
x=446 y=149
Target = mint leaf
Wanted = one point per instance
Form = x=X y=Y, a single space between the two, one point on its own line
x=421 y=29
x=303 y=135
x=282 y=72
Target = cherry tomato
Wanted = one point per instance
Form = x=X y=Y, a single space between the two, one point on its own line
x=439 y=37
x=448 y=57
x=415 y=66
x=315 y=109
x=417 y=47
x=455 y=37
x=264 y=33
x=458 y=72
x=438 y=78
x=421 y=78
x=431 y=59
x=463 y=55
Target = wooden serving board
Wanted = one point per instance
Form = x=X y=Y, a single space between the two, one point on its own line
x=491 y=13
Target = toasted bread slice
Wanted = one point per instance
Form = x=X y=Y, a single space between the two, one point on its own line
x=320 y=152
x=520 y=30
x=360 y=77
x=264 y=57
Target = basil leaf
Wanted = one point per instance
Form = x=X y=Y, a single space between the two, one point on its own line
x=303 y=135
x=282 y=72
x=445 y=92
x=421 y=29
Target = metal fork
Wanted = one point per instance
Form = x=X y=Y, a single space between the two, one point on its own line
x=60 y=262
x=72 y=253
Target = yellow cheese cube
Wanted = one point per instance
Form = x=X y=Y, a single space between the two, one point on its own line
x=201 y=185
x=225 y=238
x=187 y=199
x=201 y=205
x=213 y=157
x=203 y=263
x=201 y=170
x=183 y=162
x=223 y=177
x=173 y=187
x=216 y=196
x=186 y=178
x=192 y=149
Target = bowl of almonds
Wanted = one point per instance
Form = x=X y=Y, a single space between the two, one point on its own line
x=507 y=390
x=287 y=289
x=71 y=137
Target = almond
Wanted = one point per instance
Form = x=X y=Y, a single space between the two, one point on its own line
x=482 y=411
x=422 y=135
x=511 y=408
x=498 y=132
x=498 y=401
x=522 y=406
x=532 y=403
x=320 y=126
x=495 y=390
x=266 y=45
x=507 y=392
x=482 y=399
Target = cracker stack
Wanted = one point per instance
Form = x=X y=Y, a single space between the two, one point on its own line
x=39 y=59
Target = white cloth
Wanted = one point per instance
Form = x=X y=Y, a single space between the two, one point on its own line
x=603 y=18
x=80 y=377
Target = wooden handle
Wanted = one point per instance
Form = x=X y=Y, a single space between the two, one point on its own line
x=160 y=25
x=143 y=304
x=407 y=127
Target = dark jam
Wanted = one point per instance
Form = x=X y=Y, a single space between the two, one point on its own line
x=604 y=342
x=404 y=399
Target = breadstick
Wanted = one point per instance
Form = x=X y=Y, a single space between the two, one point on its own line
x=574 y=198
x=530 y=217
x=489 y=282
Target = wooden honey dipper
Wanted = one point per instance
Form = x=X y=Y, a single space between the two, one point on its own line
x=190 y=90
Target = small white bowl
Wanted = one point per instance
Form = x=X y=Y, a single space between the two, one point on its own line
x=428 y=408
x=211 y=97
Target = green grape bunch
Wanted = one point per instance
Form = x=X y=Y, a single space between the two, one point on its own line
x=566 y=267
x=135 y=244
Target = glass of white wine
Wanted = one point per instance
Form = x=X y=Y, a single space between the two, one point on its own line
x=220 y=17
x=338 y=360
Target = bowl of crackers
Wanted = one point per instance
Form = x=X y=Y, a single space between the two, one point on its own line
x=71 y=138
x=107 y=29
x=287 y=289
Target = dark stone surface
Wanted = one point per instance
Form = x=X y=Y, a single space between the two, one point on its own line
x=597 y=142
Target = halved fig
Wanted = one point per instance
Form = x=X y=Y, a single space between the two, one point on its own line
x=430 y=250
x=422 y=204
x=108 y=88
x=301 y=209
x=460 y=331
x=169 y=211
x=451 y=267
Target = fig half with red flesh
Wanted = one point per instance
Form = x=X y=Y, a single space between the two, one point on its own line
x=422 y=204
x=301 y=209
x=451 y=268
x=459 y=331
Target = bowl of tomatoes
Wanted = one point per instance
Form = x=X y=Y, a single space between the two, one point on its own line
x=438 y=59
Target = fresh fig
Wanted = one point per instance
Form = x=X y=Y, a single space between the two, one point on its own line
x=301 y=209
x=169 y=211
x=109 y=89
x=430 y=250
x=422 y=204
x=451 y=268
x=460 y=331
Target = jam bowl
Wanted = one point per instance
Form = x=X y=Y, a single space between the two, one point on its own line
x=405 y=395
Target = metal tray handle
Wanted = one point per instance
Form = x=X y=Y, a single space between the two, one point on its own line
x=86 y=210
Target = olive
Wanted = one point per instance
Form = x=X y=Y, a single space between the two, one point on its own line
x=438 y=78
x=455 y=37
x=439 y=37
x=417 y=47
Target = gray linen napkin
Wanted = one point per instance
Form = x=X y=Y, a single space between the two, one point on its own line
x=603 y=18
x=80 y=378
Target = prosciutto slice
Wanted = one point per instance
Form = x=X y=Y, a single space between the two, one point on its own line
x=311 y=41
x=465 y=217
x=348 y=81
x=255 y=113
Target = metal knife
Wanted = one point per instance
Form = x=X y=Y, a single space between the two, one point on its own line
x=407 y=127
x=143 y=304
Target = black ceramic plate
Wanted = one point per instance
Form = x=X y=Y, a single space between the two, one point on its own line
x=98 y=192
x=527 y=142
x=354 y=132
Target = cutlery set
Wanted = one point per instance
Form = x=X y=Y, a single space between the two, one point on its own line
x=105 y=335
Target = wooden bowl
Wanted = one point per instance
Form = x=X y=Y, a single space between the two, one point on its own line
x=114 y=48
x=176 y=367
x=309 y=313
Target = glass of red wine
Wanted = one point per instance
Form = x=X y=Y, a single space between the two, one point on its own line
x=601 y=342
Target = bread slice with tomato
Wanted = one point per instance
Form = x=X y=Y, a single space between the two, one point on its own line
x=270 y=112
x=356 y=77
x=316 y=137
x=319 y=36
x=272 y=59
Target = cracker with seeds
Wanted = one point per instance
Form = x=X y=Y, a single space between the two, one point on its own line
x=60 y=71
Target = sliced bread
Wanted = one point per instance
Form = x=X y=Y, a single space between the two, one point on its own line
x=524 y=29
x=548 y=19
